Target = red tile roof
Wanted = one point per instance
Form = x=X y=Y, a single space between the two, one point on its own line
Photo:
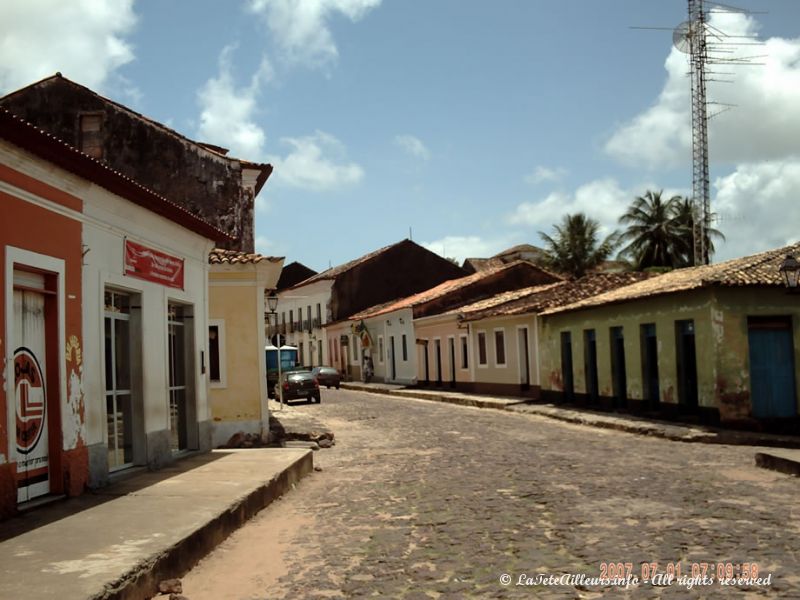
x=541 y=298
x=756 y=270
x=442 y=289
x=48 y=147
x=218 y=256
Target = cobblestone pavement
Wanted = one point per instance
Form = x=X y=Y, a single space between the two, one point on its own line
x=425 y=500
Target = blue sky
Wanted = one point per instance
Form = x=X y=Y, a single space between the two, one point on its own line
x=473 y=124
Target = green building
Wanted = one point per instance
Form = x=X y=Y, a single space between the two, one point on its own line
x=720 y=342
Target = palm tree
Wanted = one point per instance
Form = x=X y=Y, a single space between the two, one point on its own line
x=574 y=248
x=656 y=232
x=684 y=214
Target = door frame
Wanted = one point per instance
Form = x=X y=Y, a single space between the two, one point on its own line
x=54 y=270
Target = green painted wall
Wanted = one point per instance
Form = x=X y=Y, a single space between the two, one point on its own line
x=721 y=340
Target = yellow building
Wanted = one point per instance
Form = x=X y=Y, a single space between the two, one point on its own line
x=236 y=365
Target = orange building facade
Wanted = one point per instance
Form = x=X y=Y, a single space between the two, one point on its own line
x=42 y=451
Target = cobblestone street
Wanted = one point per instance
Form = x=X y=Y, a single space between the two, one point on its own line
x=426 y=500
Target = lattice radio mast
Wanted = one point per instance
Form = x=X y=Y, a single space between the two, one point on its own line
x=705 y=45
x=690 y=37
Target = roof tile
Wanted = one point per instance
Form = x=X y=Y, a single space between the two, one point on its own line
x=756 y=270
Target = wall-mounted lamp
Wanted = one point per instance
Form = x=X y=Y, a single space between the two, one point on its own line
x=790 y=269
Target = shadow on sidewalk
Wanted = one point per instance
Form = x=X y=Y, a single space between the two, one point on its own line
x=123 y=483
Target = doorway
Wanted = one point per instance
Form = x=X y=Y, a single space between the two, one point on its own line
x=687 y=363
x=619 y=378
x=182 y=409
x=33 y=321
x=451 y=343
x=566 y=366
x=590 y=364
x=524 y=358
x=773 y=391
x=391 y=357
x=649 y=343
x=124 y=423
x=437 y=346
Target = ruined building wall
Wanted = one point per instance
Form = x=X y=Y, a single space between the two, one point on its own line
x=206 y=183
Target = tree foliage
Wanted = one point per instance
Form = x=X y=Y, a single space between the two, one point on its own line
x=659 y=232
x=575 y=248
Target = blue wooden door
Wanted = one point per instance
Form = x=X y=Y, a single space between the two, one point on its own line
x=772 y=378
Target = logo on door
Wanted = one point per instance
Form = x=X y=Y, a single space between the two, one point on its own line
x=31 y=400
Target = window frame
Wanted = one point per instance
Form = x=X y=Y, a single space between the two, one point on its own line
x=497 y=363
x=222 y=382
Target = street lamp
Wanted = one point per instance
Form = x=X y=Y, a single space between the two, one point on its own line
x=272 y=305
x=790 y=269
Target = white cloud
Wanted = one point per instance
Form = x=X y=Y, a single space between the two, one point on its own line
x=227 y=112
x=413 y=146
x=308 y=165
x=543 y=174
x=603 y=200
x=469 y=246
x=763 y=125
x=83 y=39
x=300 y=27
x=757 y=207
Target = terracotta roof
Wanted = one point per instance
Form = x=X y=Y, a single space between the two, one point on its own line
x=336 y=271
x=538 y=299
x=218 y=256
x=755 y=270
x=266 y=169
x=521 y=248
x=474 y=265
x=442 y=289
x=48 y=147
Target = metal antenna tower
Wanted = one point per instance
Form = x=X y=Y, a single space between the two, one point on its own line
x=705 y=45
x=695 y=35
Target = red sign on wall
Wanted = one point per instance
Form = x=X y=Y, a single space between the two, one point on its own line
x=152 y=265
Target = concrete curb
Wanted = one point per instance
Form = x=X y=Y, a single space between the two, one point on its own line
x=657 y=429
x=141 y=581
x=781 y=464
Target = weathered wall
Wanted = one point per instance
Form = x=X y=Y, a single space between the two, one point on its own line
x=400 y=271
x=511 y=373
x=721 y=338
x=236 y=300
x=442 y=328
x=397 y=324
x=206 y=183
x=729 y=325
x=662 y=311
x=24 y=207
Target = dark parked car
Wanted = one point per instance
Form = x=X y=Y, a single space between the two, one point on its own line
x=297 y=385
x=327 y=376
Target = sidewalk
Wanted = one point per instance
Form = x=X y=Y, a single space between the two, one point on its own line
x=120 y=541
x=618 y=421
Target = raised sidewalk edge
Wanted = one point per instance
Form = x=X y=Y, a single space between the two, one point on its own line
x=787 y=461
x=179 y=558
x=118 y=542
x=620 y=422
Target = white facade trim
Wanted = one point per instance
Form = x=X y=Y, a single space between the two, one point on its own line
x=26 y=258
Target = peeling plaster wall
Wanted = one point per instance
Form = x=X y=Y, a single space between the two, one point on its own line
x=36 y=196
x=729 y=319
x=663 y=312
x=206 y=183
x=721 y=338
